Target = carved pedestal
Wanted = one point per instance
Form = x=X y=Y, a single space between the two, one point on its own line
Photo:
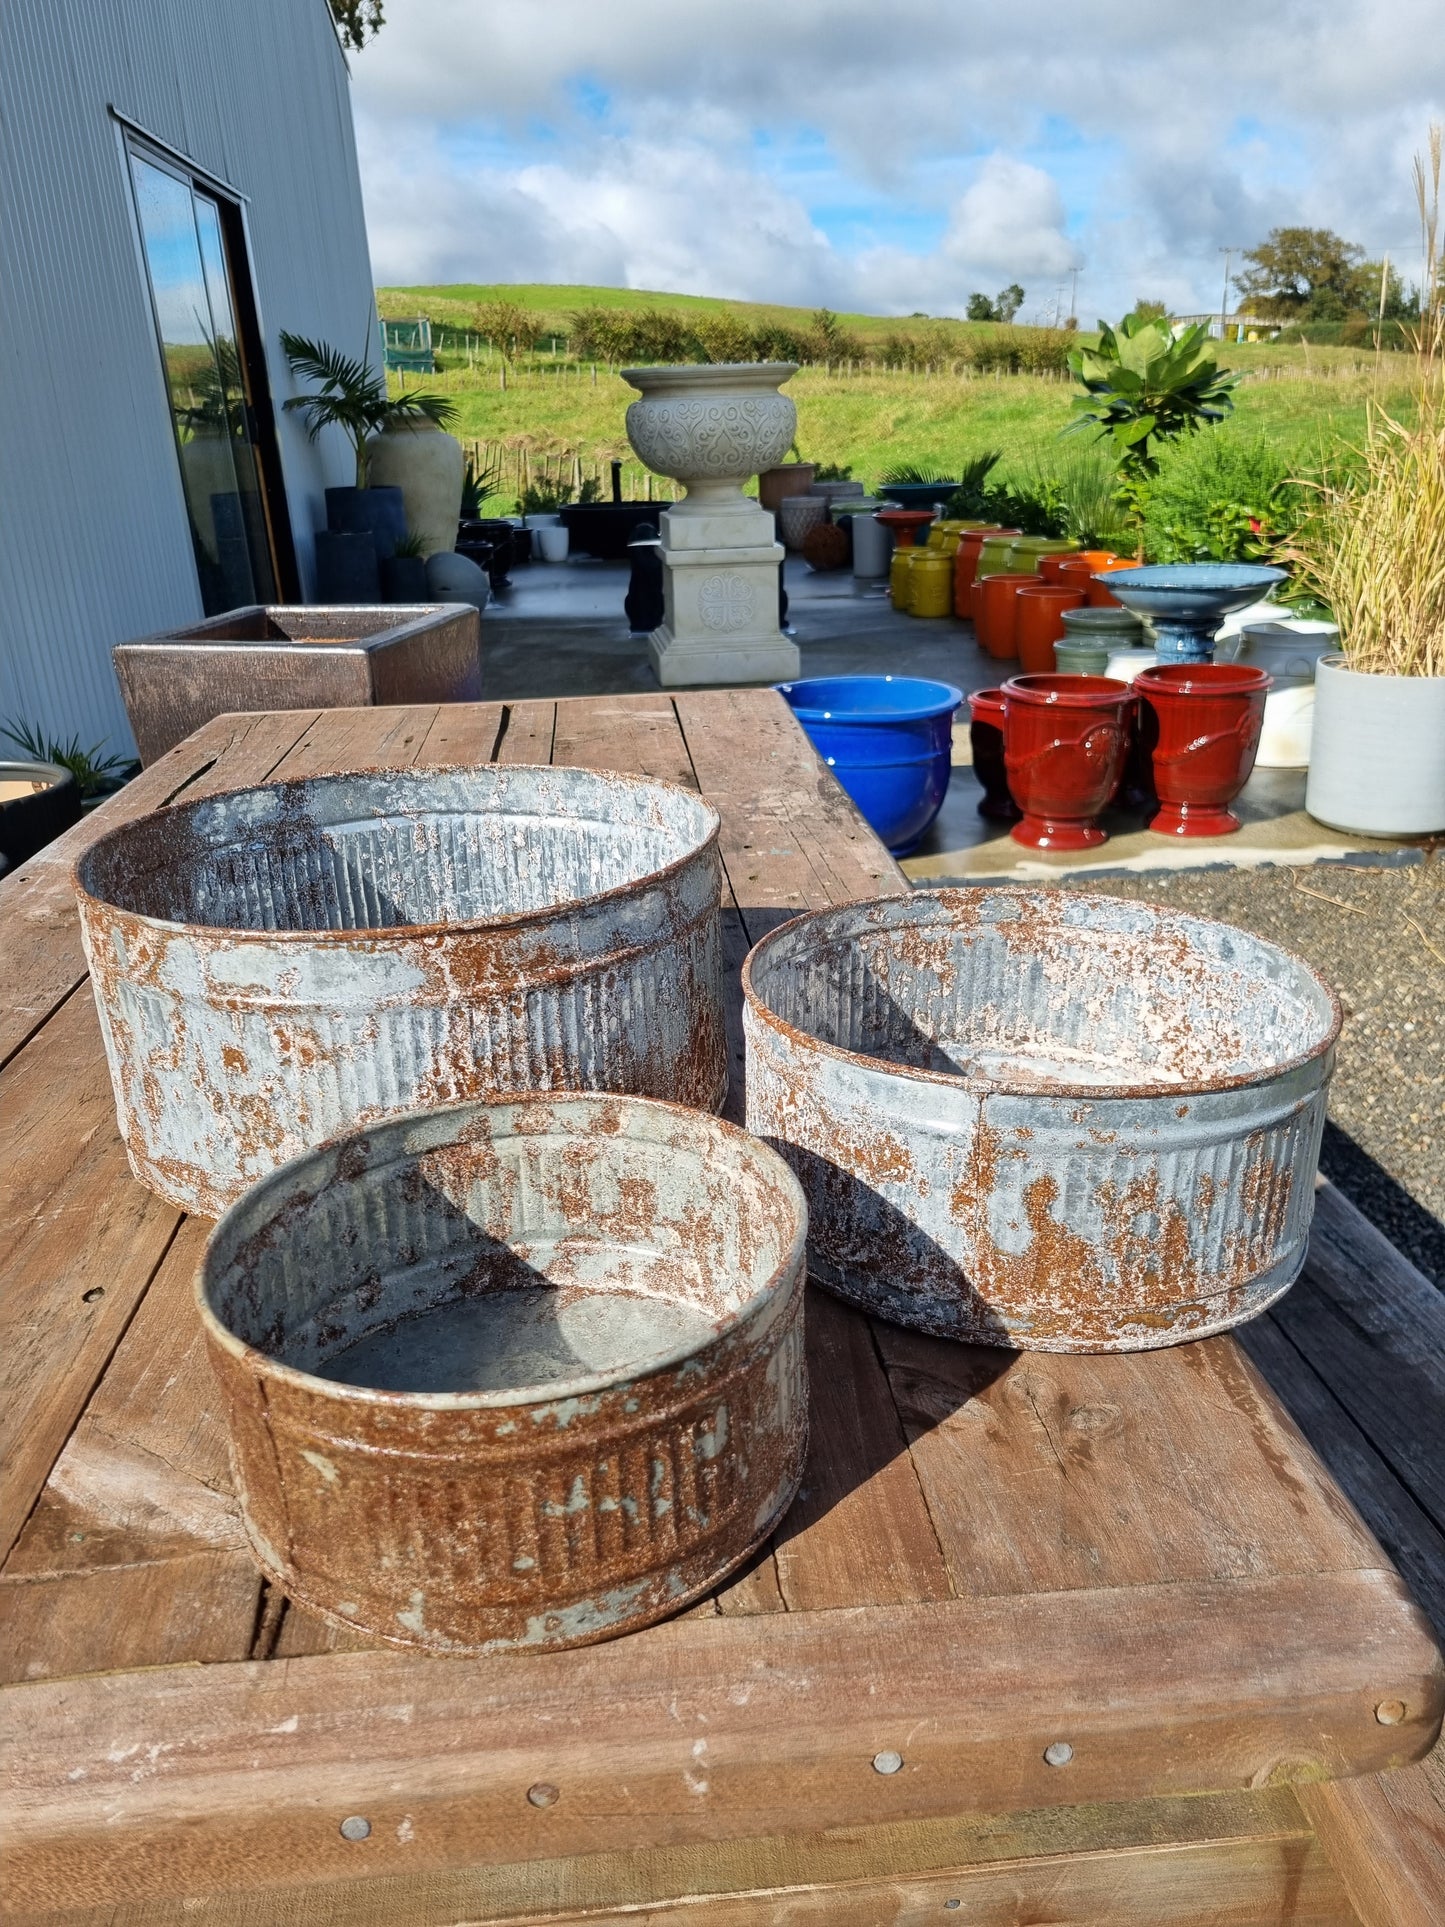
x=720 y=601
x=711 y=428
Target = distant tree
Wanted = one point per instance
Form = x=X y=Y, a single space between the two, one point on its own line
x=357 y=21
x=1400 y=305
x=1151 y=310
x=980 y=308
x=507 y=325
x=1302 y=274
x=1008 y=302
x=829 y=340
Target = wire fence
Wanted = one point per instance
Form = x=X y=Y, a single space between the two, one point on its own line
x=516 y=465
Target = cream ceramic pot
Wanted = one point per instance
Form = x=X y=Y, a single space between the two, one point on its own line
x=427 y=465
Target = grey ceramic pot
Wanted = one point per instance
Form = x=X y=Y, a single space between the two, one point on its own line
x=1377 y=758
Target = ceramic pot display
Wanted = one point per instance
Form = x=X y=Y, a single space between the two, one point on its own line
x=1187 y=601
x=1080 y=656
x=427 y=465
x=995 y=614
x=1118 y=628
x=1039 y=623
x=1028 y=551
x=1377 y=758
x=872 y=548
x=1200 y=724
x=985 y=735
x=786 y=478
x=1065 y=740
x=1051 y=563
x=796 y=515
x=930 y=583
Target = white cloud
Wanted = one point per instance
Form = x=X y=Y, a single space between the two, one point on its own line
x=1131 y=144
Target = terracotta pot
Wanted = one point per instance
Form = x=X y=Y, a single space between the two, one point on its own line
x=994 y=613
x=1039 y=623
x=789 y=478
x=985 y=733
x=1200 y=723
x=1065 y=740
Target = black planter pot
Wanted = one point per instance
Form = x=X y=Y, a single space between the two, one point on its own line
x=403 y=579
x=347 y=570
x=604 y=529
x=378 y=512
x=28 y=823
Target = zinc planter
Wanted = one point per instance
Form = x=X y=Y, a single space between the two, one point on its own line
x=427 y=465
x=1377 y=757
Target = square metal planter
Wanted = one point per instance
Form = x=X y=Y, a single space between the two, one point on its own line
x=296 y=658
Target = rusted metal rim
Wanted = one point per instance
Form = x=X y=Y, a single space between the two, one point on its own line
x=1003 y=1086
x=508 y=920
x=307 y=1176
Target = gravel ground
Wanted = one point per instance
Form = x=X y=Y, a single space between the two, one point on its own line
x=1377 y=935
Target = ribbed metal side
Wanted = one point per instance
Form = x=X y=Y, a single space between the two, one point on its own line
x=538 y=1516
x=1043 y=1120
x=232 y=1049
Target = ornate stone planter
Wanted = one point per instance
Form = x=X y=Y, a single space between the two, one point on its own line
x=712 y=428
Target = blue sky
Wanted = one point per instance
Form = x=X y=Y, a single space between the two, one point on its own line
x=824 y=151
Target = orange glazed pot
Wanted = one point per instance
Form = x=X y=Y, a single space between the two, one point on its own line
x=1099 y=597
x=1050 y=565
x=1039 y=623
x=995 y=601
x=965 y=568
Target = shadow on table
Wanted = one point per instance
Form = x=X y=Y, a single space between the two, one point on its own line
x=1414 y=1231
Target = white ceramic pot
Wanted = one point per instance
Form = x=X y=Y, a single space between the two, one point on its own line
x=1289 y=650
x=712 y=428
x=1124 y=664
x=427 y=465
x=1377 y=755
x=796 y=515
x=872 y=548
x=553 y=542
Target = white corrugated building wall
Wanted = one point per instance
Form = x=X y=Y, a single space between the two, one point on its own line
x=94 y=540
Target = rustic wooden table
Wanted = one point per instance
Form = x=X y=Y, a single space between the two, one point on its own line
x=1108 y=1612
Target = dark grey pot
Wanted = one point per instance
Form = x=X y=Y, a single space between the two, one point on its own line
x=378 y=512
x=403 y=579
x=28 y=823
x=347 y=570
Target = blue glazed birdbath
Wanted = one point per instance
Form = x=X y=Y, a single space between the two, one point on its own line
x=1187 y=601
x=918 y=495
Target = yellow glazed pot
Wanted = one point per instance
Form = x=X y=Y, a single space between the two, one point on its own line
x=930 y=584
x=899 y=571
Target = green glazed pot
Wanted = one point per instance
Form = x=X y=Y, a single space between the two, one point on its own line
x=1081 y=658
x=1028 y=548
x=993 y=556
x=1111 y=628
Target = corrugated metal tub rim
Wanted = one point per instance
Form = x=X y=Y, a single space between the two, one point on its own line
x=1002 y=1086
x=508 y=920
x=292 y=1180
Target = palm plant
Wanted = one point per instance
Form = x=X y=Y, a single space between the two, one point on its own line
x=351 y=395
x=1143 y=385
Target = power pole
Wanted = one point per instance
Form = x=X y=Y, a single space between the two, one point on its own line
x=1228 y=254
x=1074 y=295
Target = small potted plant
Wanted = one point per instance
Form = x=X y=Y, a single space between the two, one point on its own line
x=364 y=523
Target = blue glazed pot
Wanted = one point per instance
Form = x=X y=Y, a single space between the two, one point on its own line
x=918 y=495
x=887 y=739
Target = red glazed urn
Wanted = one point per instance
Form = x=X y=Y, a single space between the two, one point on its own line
x=985 y=734
x=1199 y=724
x=1065 y=739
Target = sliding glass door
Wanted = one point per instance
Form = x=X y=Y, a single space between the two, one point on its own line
x=215 y=380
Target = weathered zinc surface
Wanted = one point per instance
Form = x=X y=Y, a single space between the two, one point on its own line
x=514 y=1375
x=279 y=965
x=1042 y=1119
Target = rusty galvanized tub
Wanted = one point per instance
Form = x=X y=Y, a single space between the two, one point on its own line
x=521 y=1374
x=279 y=965
x=1042 y=1119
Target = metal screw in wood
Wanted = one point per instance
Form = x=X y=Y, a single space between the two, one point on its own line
x=1059 y=1754
x=1390 y=1712
x=888 y=1762
x=543 y=1794
x=355 y=1827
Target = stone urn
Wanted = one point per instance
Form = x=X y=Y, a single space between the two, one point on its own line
x=427 y=465
x=712 y=427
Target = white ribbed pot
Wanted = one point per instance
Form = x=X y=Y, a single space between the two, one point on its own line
x=712 y=427
x=427 y=465
x=1377 y=758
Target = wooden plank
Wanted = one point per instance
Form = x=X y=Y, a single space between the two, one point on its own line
x=82 y=1241
x=462 y=734
x=343 y=739
x=146 y=1471
x=1233 y=1861
x=1045 y=1471
x=195 y=1608
x=528 y=735
x=1409 y=1536
x=791 y=839
x=1385 y=1837
x=41 y=959
x=858 y=1532
x=221 y=1777
x=637 y=735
